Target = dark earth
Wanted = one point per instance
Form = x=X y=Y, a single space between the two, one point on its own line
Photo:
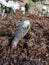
x=33 y=49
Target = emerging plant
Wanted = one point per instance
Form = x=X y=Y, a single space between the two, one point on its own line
x=6 y=7
x=27 y=4
x=27 y=7
x=21 y=32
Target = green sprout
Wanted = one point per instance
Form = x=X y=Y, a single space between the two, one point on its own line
x=26 y=6
x=21 y=32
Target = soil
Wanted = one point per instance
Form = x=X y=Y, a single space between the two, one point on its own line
x=33 y=49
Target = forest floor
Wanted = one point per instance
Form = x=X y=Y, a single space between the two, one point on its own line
x=33 y=49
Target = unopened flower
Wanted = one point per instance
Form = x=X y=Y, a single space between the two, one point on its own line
x=21 y=32
x=44 y=8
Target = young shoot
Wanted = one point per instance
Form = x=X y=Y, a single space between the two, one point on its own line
x=27 y=7
x=21 y=32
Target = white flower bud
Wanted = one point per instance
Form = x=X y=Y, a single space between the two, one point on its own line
x=21 y=32
x=44 y=7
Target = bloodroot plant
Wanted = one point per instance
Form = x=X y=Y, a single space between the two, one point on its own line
x=6 y=7
x=21 y=32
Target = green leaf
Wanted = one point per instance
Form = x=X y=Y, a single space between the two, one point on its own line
x=25 y=28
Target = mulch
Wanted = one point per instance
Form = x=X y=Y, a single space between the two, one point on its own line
x=33 y=49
